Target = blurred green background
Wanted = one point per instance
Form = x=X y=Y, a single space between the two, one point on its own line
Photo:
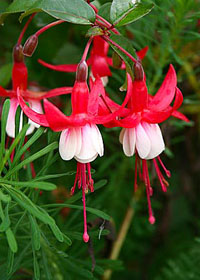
x=170 y=249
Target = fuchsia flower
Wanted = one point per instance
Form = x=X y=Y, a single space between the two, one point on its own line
x=141 y=134
x=80 y=137
x=98 y=60
x=20 y=81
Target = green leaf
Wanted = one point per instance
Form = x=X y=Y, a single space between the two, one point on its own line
x=33 y=157
x=35 y=233
x=125 y=44
x=123 y=12
x=104 y=11
x=4 y=197
x=94 y=211
x=28 y=205
x=30 y=142
x=36 y=267
x=4 y=116
x=5 y=218
x=56 y=231
x=39 y=185
x=5 y=74
x=10 y=262
x=11 y=240
x=67 y=240
x=97 y=212
x=76 y=11
x=12 y=147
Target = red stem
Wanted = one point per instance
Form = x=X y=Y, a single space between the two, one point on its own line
x=43 y=29
x=86 y=49
x=108 y=25
x=106 y=38
x=24 y=29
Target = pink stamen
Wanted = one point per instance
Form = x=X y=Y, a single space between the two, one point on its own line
x=167 y=172
x=159 y=174
x=90 y=181
x=85 y=234
x=148 y=187
x=85 y=182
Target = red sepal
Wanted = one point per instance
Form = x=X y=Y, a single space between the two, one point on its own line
x=58 y=121
x=36 y=117
x=61 y=67
x=166 y=93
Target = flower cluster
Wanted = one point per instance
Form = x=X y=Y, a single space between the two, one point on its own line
x=139 y=115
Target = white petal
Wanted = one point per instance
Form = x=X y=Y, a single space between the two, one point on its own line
x=37 y=107
x=68 y=143
x=88 y=151
x=143 y=144
x=97 y=140
x=121 y=135
x=78 y=139
x=10 y=125
x=129 y=140
x=155 y=135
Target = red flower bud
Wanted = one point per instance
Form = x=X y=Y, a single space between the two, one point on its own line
x=30 y=45
x=82 y=72
x=18 y=53
x=138 y=71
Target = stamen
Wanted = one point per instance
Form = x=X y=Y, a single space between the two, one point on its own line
x=159 y=174
x=85 y=234
x=167 y=172
x=148 y=188
x=90 y=181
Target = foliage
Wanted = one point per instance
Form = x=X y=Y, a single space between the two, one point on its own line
x=41 y=235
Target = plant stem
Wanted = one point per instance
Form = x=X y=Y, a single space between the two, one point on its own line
x=106 y=38
x=117 y=246
x=24 y=29
x=43 y=29
x=109 y=26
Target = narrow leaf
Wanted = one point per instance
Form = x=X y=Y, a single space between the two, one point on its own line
x=35 y=233
x=28 y=205
x=39 y=185
x=33 y=157
x=4 y=116
x=11 y=240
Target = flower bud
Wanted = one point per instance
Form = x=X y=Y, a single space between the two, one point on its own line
x=30 y=45
x=18 y=53
x=82 y=72
x=138 y=71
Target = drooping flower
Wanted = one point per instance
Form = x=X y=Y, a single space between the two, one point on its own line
x=98 y=60
x=20 y=80
x=80 y=137
x=141 y=134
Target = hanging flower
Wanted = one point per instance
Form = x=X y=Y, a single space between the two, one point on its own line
x=141 y=134
x=98 y=60
x=80 y=137
x=20 y=81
